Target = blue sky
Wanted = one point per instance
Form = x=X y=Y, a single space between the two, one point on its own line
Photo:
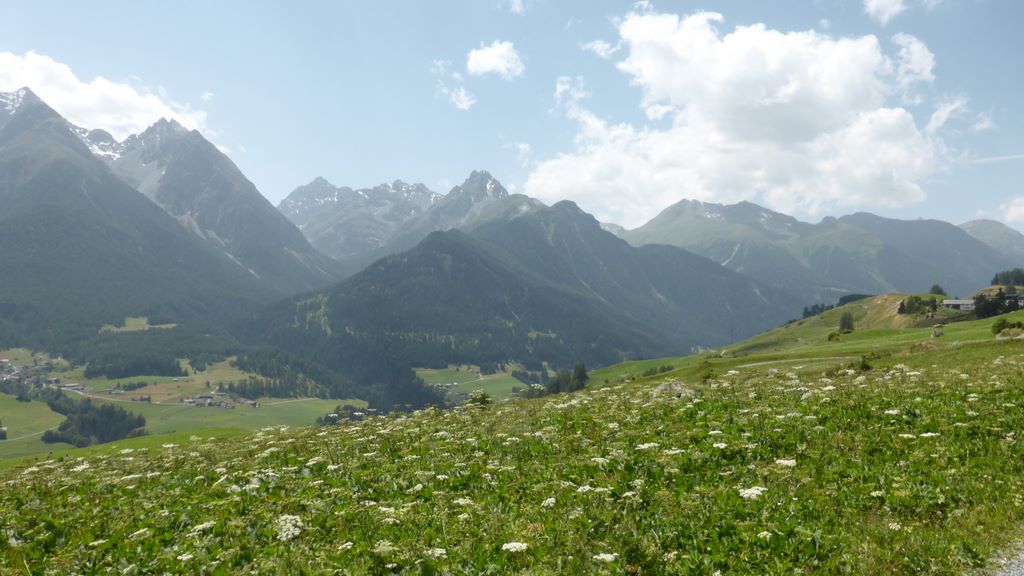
x=907 y=108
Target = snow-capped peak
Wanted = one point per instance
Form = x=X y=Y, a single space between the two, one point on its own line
x=11 y=101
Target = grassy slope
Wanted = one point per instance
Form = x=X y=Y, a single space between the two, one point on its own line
x=913 y=467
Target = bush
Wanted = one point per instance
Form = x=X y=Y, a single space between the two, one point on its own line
x=654 y=371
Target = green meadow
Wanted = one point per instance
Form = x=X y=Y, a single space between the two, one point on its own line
x=890 y=451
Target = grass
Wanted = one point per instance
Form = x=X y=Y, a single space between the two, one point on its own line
x=767 y=457
x=466 y=379
x=25 y=422
x=911 y=468
x=165 y=414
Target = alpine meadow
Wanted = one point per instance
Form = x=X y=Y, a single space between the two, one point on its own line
x=512 y=287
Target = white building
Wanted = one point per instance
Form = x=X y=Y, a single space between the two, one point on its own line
x=964 y=305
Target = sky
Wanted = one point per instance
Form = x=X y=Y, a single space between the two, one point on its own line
x=905 y=108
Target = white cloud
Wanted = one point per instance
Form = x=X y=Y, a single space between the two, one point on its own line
x=461 y=98
x=119 y=108
x=601 y=48
x=913 y=66
x=523 y=152
x=516 y=6
x=943 y=113
x=800 y=121
x=499 y=58
x=206 y=96
x=983 y=122
x=882 y=11
x=456 y=94
x=1014 y=210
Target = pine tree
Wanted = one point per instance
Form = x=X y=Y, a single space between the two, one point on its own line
x=846 y=322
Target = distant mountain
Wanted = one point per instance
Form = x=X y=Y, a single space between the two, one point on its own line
x=357 y=227
x=346 y=224
x=860 y=253
x=202 y=188
x=82 y=248
x=546 y=286
x=999 y=237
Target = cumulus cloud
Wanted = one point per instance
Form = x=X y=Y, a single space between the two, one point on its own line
x=913 y=66
x=499 y=58
x=801 y=121
x=882 y=11
x=1014 y=210
x=119 y=108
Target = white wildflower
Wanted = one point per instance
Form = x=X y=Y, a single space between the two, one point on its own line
x=548 y=503
x=288 y=527
x=605 y=557
x=202 y=527
x=647 y=446
x=437 y=552
x=764 y=535
x=514 y=546
x=752 y=493
x=384 y=547
x=720 y=445
x=786 y=462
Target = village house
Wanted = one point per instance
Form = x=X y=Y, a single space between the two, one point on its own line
x=963 y=305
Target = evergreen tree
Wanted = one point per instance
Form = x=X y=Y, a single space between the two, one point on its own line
x=937 y=290
x=846 y=322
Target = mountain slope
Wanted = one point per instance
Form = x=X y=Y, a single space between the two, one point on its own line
x=203 y=189
x=960 y=263
x=82 y=248
x=860 y=253
x=999 y=237
x=547 y=286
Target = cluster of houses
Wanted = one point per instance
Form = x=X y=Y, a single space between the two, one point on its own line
x=1009 y=302
x=219 y=400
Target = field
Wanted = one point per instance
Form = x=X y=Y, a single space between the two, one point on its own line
x=164 y=414
x=25 y=422
x=797 y=461
x=468 y=378
x=135 y=324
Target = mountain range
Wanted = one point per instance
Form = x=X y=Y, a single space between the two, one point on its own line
x=859 y=253
x=372 y=282
x=549 y=285
x=357 y=227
